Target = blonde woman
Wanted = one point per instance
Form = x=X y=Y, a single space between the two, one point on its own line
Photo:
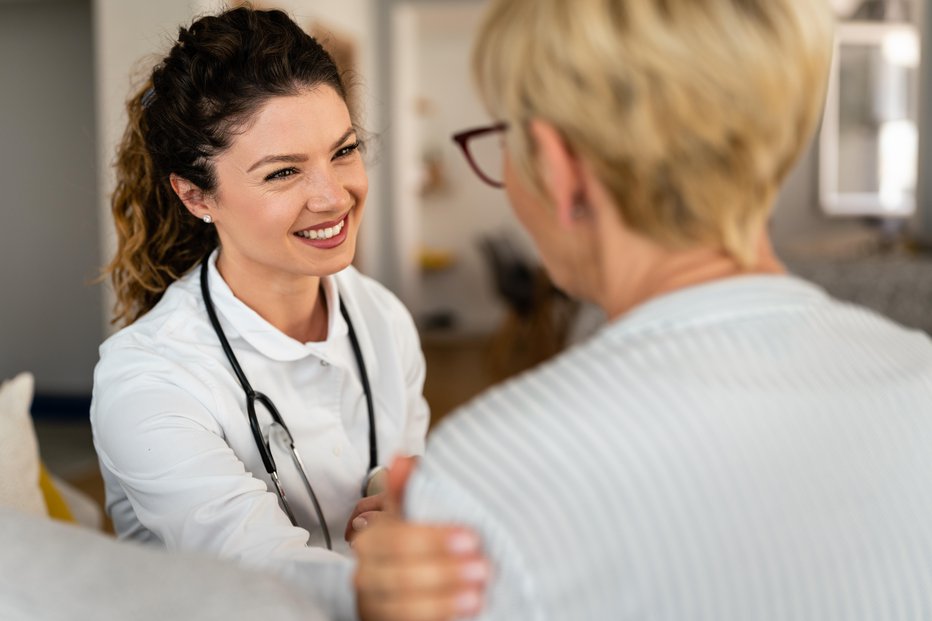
x=734 y=444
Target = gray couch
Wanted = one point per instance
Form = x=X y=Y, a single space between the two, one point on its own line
x=51 y=571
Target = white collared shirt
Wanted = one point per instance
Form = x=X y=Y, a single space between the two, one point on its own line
x=176 y=450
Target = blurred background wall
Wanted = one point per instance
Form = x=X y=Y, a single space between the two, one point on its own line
x=67 y=66
x=51 y=318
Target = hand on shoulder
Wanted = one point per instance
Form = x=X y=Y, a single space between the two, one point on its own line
x=416 y=572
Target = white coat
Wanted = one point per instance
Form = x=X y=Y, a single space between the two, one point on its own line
x=178 y=458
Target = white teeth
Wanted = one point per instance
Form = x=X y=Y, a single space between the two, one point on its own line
x=326 y=233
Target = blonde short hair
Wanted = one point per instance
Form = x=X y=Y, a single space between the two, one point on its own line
x=691 y=112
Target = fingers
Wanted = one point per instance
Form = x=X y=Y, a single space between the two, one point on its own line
x=362 y=521
x=398 y=540
x=398 y=475
x=369 y=503
x=411 y=572
x=441 y=607
x=389 y=501
x=440 y=576
x=362 y=514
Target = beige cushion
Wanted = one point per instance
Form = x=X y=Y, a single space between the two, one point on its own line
x=19 y=451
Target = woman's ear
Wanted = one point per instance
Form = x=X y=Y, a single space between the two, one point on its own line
x=559 y=170
x=194 y=198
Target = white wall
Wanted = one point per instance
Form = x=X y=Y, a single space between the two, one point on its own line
x=455 y=218
x=50 y=312
x=56 y=229
x=402 y=139
x=129 y=37
x=65 y=66
x=797 y=213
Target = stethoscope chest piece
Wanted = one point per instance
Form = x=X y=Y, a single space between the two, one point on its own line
x=376 y=481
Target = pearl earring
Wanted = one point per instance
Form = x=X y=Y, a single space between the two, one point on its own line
x=207 y=219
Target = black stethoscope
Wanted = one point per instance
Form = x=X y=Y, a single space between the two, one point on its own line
x=375 y=477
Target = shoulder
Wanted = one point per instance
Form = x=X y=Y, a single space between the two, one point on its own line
x=379 y=308
x=180 y=310
x=364 y=291
x=164 y=356
x=865 y=323
x=526 y=420
x=506 y=465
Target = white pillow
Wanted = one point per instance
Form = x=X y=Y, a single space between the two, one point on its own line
x=19 y=450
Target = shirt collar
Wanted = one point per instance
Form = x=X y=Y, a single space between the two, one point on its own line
x=716 y=301
x=240 y=320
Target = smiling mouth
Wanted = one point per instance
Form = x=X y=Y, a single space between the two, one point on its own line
x=323 y=232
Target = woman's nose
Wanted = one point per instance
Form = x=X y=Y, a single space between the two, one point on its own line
x=325 y=190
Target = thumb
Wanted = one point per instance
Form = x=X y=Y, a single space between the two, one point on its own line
x=398 y=474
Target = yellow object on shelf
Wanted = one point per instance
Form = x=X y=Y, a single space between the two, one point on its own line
x=432 y=259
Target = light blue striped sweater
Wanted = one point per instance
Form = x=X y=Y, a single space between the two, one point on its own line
x=748 y=449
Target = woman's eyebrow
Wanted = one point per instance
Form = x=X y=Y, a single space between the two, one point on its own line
x=297 y=158
x=290 y=158
x=343 y=138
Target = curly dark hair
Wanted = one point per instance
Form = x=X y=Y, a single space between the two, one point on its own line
x=218 y=73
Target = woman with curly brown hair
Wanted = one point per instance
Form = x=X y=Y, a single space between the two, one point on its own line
x=260 y=382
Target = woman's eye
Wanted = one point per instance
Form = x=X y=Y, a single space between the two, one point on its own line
x=347 y=150
x=281 y=174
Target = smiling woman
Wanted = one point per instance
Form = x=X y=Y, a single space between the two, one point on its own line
x=241 y=190
x=291 y=190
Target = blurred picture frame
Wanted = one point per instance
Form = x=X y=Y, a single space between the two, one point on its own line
x=868 y=143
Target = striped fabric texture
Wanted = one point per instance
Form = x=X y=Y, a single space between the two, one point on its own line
x=748 y=449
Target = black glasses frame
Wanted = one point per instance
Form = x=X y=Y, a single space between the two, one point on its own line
x=462 y=139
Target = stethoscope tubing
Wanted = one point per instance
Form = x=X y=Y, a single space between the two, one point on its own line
x=252 y=396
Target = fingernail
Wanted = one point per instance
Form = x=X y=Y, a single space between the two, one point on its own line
x=475 y=571
x=463 y=543
x=467 y=602
x=360 y=523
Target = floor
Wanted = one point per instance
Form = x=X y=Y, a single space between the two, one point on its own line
x=457 y=369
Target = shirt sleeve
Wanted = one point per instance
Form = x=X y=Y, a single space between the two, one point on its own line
x=154 y=433
x=433 y=496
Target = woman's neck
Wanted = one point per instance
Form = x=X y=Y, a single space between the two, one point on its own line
x=295 y=304
x=620 y=268
x=655 y=271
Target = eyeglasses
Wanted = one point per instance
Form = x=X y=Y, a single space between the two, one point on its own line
x=483 y=149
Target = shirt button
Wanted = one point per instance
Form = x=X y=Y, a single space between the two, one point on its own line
x=324 y=363
x=337 y=450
